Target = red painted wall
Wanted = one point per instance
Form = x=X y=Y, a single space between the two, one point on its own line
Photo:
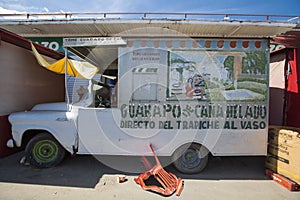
x=5 y=135
x=292 y=103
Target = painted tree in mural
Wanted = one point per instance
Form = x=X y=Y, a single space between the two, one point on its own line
x=229 y=63
x=254 y=63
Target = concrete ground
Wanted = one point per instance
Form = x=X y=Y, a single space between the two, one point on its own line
x=84 y=177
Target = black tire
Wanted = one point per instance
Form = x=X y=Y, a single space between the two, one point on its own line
x=190 y=158
x=44 y=151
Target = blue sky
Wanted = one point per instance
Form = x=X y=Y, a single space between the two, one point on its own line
x=281 y=7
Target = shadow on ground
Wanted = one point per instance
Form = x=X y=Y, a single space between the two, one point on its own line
x=87 y=171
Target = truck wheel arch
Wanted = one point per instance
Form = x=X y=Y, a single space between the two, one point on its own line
x=29 y=134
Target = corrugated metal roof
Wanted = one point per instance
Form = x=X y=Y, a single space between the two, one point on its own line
x=289 y=39
x=145 y=27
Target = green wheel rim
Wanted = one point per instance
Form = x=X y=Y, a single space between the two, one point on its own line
x=45 y=151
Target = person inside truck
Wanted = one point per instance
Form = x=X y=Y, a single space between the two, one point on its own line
x=102 y=95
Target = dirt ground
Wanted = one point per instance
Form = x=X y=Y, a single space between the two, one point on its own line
x=84 y=177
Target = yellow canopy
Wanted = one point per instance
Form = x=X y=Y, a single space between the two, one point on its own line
x=80 y=69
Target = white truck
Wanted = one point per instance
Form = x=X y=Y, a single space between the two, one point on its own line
x=188 y=98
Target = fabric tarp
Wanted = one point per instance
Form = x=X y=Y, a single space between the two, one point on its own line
x=277 y=68
x=80 y=69
x=294 y=71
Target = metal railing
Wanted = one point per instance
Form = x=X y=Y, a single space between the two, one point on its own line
x=149 y=15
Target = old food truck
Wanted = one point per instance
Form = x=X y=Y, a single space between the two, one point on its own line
x=187 y=97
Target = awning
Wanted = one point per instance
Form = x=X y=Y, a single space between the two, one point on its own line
x=80 y=69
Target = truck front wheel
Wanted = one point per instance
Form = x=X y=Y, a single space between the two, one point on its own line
x=190 y=158
x=44 y=151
